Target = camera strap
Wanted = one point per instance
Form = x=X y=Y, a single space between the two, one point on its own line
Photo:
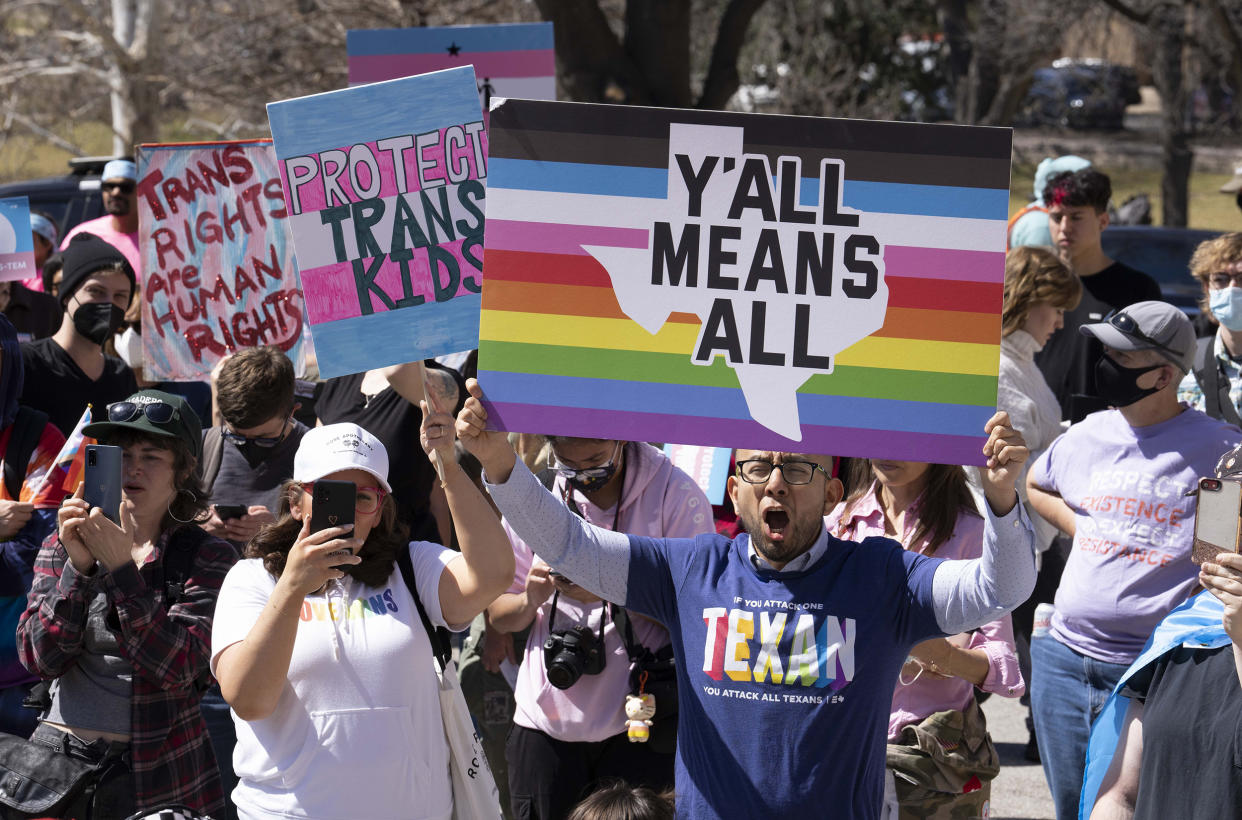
x=603 y=617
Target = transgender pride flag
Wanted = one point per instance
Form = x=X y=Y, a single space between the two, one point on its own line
x=511 y=60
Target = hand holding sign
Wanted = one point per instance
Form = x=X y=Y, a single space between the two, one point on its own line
x=1006 y=452
x=490 y=447
x=436 y=434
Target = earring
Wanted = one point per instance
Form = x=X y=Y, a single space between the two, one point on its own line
x=173 y=516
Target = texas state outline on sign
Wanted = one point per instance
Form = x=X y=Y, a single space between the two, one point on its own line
x=782 y=277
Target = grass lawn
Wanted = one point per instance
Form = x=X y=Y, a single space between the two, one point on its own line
x=1208 y=207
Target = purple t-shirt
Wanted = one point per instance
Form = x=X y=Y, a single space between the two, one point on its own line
x=1130 y=564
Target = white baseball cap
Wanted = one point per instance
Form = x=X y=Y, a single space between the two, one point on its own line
x=337 y=447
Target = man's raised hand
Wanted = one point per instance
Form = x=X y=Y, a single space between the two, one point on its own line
x=1006 y=452
x=490 y=447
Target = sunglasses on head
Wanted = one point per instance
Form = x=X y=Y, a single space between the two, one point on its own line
x=1126 y=324
x=157 y=412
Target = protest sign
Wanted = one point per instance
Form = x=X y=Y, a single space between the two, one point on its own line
x=219 y=268
x=786 y=283
x=708 y=466
x=510 y=59
x=16 y=240
x=385 y=185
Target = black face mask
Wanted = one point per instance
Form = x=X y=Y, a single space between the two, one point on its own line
x=98 y=320
x=1118 y=385
x=253 y=453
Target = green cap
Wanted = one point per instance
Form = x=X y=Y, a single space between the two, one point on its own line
x=153 y=412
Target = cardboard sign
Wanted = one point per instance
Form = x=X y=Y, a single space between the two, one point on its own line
x=786 y=283
x=16 y=241
x=219 y=269
x=385 y=185
x=510 y=60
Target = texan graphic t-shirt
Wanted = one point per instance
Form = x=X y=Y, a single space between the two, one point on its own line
x=357 y=731
x=785 y=679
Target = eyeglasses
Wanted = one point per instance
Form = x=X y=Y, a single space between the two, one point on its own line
x=1126 y=324
x=1223 y=279
x=124 y=186
x=758 y=471
x=366 y=500
x=157 y=412
x=601 y=471
x=257 y=441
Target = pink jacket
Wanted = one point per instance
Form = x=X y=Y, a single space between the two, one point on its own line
x=927 y=695
x=658 y=500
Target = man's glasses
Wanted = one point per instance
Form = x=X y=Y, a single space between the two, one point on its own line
x=366 y=499
x=1126 y=324
x=758 y=471
x=123 y=187
x=157 y=412
x=1222 y=280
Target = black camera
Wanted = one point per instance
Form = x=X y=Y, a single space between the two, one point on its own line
x=572 y=653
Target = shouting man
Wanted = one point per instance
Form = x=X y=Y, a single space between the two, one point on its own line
x=789 y=641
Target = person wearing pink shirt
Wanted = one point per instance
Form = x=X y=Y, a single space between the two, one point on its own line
x=929 y=509
x=568 y=736
x=119 y=226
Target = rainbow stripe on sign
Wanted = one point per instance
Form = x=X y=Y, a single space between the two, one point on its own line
x=510 y=60
x=558 y=354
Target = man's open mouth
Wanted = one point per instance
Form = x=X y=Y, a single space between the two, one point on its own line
x=776 y=521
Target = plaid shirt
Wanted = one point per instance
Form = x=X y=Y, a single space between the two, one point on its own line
x=169 y=648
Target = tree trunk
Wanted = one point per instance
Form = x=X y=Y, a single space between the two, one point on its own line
x=1168 y=28
x=956 y=28
x=134 y=99
x=657 y=39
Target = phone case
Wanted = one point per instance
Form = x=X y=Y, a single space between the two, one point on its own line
x=1218 y=519
x=102 y=479
x=332 y=504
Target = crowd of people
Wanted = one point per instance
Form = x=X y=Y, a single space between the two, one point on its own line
x=236 y=639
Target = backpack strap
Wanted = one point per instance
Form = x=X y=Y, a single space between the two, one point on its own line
x=1217 y=402
x=438 y=635
x=213 y=454
x=179 y=558
x=27 y=430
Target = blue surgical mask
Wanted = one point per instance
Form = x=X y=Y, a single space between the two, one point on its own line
x=1226 y=305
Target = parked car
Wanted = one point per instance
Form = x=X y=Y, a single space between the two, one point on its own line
x=1080 y=94
x=67 y=199
x=1163 y=254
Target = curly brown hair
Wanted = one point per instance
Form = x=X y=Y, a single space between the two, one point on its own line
x=190 y=504
x=1034 y=275
x=1211 y=257
x=378 y=553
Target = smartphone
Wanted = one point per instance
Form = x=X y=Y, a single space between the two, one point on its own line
x=1218 y=519
x=332 y=504
x=227 y=511
x=102 y=479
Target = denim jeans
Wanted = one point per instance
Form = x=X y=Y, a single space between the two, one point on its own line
x=1068 y=690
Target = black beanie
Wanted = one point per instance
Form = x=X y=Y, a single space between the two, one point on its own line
x=85 y=254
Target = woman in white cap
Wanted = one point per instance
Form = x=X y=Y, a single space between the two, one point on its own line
x=319 y=648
